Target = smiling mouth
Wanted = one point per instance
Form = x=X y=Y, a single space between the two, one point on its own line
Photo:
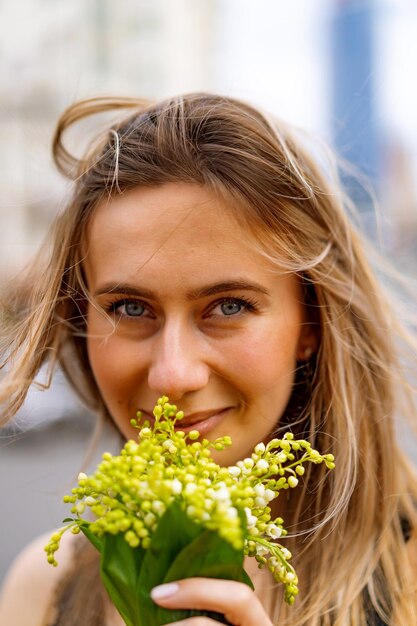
x=202 y=421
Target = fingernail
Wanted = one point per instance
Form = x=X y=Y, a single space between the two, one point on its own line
x=164 y=591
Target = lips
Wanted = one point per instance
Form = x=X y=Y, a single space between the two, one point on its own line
x=193 y=419
x=201 y=416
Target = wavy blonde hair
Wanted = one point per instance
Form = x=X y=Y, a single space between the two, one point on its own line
x=348 y=541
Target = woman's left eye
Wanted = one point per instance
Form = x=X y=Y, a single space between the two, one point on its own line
x=229 y=307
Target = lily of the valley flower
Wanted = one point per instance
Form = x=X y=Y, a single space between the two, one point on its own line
x=130 y=492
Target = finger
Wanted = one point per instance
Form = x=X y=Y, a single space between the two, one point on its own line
x=235 y=600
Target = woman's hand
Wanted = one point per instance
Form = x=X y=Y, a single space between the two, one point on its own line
x=235 y=600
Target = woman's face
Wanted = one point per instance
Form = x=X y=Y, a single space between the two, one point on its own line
x=184 y=306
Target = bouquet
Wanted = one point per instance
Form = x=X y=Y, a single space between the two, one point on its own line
x=163 y=510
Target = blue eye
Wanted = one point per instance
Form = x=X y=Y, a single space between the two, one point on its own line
x=129 y=308
x=231 y=307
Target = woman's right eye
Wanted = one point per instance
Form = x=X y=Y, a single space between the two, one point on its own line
x=129 y=308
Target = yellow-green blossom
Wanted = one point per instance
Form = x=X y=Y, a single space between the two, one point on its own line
x=130 y=492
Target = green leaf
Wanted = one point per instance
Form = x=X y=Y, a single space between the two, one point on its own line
x=68 y=519
x=120 y=570
x=120 y=567
x=208 y=556
x=174 y=532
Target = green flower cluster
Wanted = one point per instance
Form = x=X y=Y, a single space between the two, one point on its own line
x=129 y=493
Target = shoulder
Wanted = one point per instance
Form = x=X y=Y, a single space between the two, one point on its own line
x=28 y=591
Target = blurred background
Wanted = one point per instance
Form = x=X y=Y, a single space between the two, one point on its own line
x=342 y=69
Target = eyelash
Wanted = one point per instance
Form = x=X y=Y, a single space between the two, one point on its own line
x=112 y=308
x=247 y=304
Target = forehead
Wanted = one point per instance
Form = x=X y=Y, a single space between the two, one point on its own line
x=170 y=209
x=169 y=227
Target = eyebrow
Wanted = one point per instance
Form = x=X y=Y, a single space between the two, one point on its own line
x=193 y=294
x=230 y=285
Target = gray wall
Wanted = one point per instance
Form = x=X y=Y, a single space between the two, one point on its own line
x=37 y=468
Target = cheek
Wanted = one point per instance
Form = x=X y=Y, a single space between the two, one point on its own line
x=263 y=367
x=114 y=369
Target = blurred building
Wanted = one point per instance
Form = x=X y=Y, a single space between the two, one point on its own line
x=56 y=52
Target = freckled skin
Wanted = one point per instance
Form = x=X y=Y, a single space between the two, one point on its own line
x=204 y=351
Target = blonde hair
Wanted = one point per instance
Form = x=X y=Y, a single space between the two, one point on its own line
x=349 y=548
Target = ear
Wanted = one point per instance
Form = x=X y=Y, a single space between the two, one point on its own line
x=308 y=342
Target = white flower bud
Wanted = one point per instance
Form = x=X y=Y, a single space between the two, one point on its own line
x=221 y=494
x=231 y=512
x=262 y=465
x=234 y=471
x=248 y=463
x=260 y=448
x=273 y=531
x=176 y=487
x=190 y=488
x=259 y=489
x=269 y=495
x=250 y=519
x=82 y=476
x=158 y=507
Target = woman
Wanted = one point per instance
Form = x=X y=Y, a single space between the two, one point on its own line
x=205 y=255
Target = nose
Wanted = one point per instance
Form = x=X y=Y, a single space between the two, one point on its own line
x=178 y=362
